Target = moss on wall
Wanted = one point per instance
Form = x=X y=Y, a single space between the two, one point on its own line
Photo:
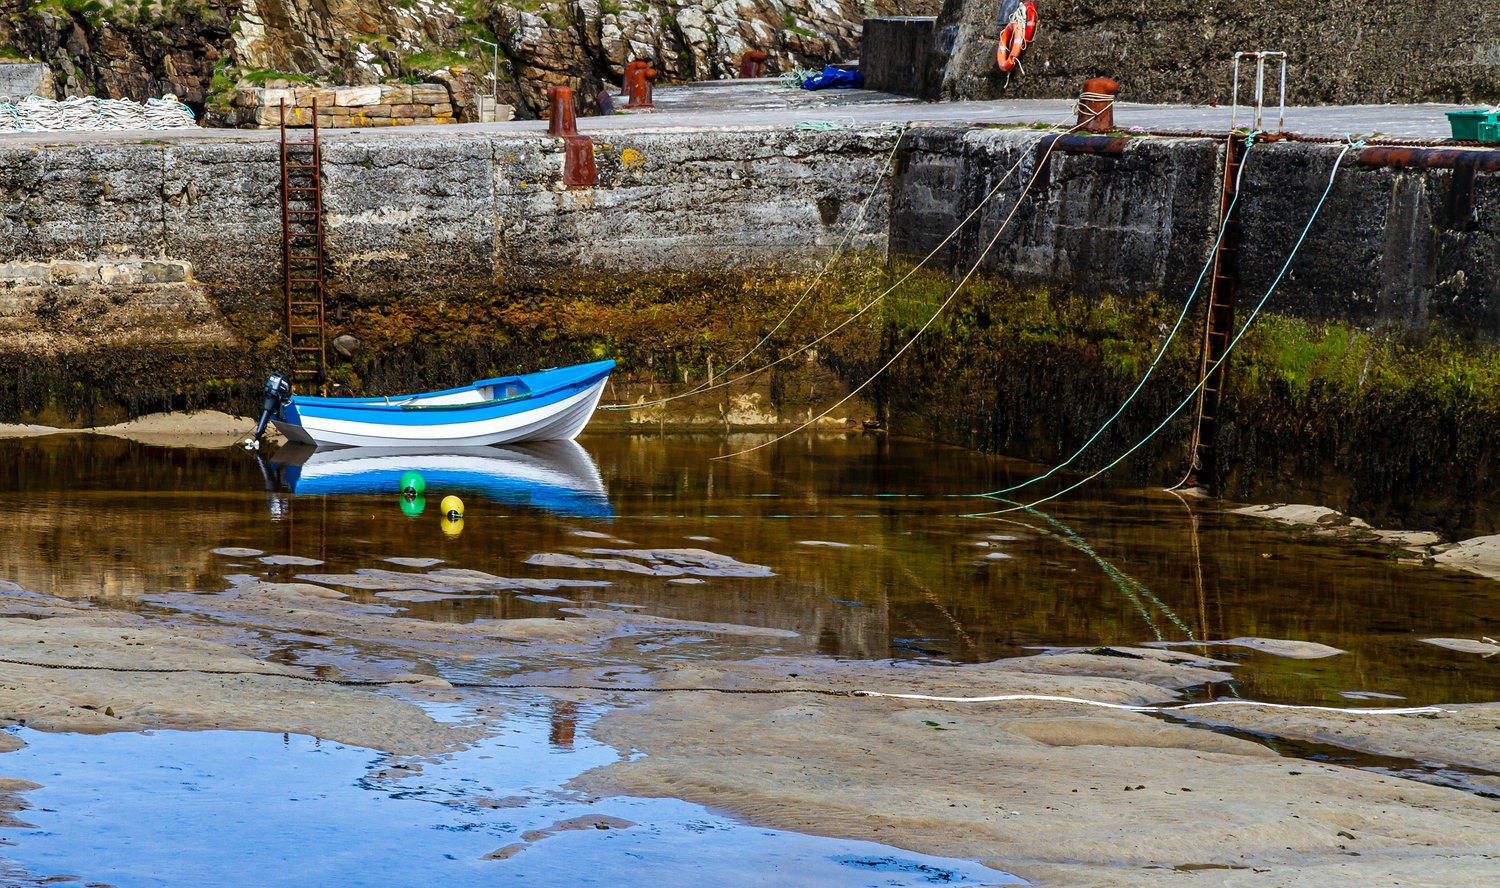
x=1390 y=425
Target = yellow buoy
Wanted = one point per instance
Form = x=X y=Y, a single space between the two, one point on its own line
x=452 y=526
x=452 y=507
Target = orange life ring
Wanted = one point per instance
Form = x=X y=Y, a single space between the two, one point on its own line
x=1012 y=42
x=1030 y=9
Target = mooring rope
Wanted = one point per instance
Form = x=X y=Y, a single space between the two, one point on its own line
x=725 y=383
x=837 y=254
x=1349 y=145
x=1039 y=165
x=93 y=114
x=1182 y=315
x=1127 y=707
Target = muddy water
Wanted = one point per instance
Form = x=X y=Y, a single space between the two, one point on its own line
x=857 y=543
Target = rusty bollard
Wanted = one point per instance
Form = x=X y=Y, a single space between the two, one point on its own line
x=640 y=89
x=752 y=65
x=629 y=75
x=564 y=120
x=1096 y=106
x=579 y=169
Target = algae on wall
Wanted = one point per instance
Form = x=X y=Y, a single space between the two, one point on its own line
x=1394 y=427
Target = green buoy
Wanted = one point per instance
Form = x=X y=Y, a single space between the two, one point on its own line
x=412 y=484
x=412 y=506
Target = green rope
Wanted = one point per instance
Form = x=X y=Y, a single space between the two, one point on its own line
x=1350 y=144
x=1249 y=142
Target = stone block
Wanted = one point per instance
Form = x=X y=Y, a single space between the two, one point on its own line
x=327 y=120
x=20 y=81
x=429 y=95
x=375 y=110
x=445 y=108
x=379 y=121
x=26 y=272
x=68 y=273
x=359 y=95
x=395 y=95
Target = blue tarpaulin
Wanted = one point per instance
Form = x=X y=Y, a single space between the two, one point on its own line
x=835 y=78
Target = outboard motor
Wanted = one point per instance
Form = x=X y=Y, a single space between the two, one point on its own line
x=278 y=389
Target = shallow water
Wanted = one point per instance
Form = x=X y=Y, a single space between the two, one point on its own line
x=190 y=808
x=857 y=543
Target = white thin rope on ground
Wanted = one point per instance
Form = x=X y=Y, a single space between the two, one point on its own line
x=80 y=114
x=1127 y=707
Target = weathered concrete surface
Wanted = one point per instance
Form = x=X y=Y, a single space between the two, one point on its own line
x=1341 y=51
x=1136 y=224
x=17 y=81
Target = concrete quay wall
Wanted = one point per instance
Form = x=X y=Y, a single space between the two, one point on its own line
x=177 y=245
x=436 y=216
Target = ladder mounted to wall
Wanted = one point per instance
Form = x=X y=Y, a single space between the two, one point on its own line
x=1218 y=322
x=302 y=254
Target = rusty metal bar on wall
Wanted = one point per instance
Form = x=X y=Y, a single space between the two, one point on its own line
x=1072 y=143
x=1403 y=158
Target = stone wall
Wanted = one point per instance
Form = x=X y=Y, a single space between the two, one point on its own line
x=446 y=215
x=1341 y=51
x=346 y=107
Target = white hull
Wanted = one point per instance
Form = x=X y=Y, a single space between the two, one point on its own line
x=560 y=421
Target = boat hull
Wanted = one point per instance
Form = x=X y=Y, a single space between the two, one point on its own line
x=557 y=415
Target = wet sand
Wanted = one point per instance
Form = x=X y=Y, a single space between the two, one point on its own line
x=204 y=428
x=1031 y=787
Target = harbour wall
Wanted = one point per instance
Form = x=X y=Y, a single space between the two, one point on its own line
x=191 y=231
x=146 y=275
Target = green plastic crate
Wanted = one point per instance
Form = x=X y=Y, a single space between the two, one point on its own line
x=1466 y=124
x=1489 y=132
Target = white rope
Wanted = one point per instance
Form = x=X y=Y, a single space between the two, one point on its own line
x=1126 y=707
x=1091 y=114
x=92 y=114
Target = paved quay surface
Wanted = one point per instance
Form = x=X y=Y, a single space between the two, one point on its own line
x=764 y=104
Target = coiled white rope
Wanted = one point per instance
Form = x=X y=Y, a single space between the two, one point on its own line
x=1127 y=707
x=79 y=114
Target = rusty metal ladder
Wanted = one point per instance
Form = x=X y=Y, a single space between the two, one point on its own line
x=302 y=255
x=1218 y=323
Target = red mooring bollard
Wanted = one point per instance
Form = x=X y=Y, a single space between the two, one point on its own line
x=640 y=89
x=564 y=120
x=1096 y=106
x=579 y=169
x=629 y=75
x=752 y=64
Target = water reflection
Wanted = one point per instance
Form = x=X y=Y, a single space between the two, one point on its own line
x=556 y=476
x=855 y=543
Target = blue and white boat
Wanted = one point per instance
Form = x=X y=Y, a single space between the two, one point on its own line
x=551 y=405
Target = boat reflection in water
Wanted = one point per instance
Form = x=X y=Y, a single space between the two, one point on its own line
x=556 y=476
